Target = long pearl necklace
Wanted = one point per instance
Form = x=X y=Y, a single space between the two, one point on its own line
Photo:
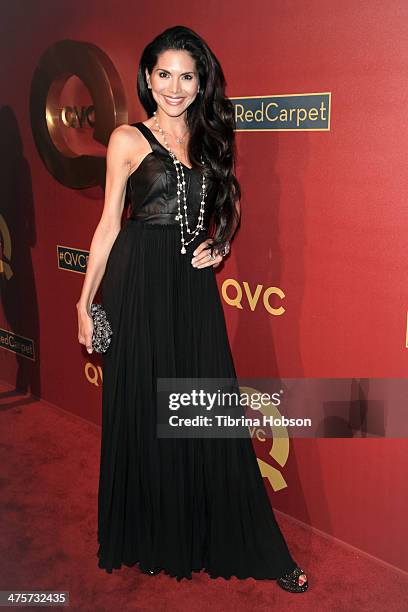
x=181 y=188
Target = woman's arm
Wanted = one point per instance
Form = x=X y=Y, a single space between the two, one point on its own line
x=200 y=254
x=117 y=172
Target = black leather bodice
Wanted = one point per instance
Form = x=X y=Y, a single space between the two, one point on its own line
x=152 y=188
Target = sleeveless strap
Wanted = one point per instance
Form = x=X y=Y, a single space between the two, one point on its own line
x=154 y=143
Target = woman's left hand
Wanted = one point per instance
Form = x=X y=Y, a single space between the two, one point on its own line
x=202 y=256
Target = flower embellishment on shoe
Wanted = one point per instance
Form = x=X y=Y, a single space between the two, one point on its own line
x=294 y=582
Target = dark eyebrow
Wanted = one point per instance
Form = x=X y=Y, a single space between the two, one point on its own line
x=164 y=70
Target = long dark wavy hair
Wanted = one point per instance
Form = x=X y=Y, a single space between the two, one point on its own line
x=210 y=120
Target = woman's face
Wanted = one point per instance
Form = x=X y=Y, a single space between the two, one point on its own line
x=174 y=82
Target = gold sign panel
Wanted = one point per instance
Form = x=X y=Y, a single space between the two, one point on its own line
x=279 y=446
x=60 y=62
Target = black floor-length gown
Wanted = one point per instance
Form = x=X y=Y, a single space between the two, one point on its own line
x=179 y=504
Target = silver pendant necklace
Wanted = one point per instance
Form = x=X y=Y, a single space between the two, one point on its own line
x=179 y=139
x=181 y=189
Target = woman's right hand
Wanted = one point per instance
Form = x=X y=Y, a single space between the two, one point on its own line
x=85 y=327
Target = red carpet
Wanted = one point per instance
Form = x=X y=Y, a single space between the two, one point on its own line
x=49 y=483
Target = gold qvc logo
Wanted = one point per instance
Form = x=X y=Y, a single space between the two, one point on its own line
x=93 y=374
x=238 y=295
x=278 y=451
x=52 y=119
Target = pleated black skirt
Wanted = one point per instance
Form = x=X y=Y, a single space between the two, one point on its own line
x=180 y=504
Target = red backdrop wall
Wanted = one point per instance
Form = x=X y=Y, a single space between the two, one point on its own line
x=324 y=218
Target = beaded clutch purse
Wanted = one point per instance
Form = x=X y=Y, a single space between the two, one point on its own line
x=102 y=330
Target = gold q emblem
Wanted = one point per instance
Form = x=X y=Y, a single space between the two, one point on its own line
x=59 y=63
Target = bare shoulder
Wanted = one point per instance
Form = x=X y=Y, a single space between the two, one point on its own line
x=124 y=136
x=126 y=142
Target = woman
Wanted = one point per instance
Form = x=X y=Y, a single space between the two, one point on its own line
x=177 y=505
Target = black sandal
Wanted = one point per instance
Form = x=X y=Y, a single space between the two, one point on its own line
x=290 y=581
